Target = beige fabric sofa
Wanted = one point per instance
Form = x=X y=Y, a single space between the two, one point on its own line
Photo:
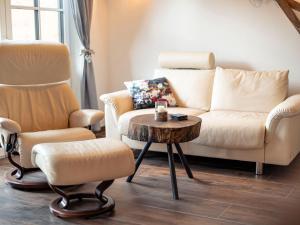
x=246 y=115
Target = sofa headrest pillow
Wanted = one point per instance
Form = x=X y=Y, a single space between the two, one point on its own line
x=187 y=60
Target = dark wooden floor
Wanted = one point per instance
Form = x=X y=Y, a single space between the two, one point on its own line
x=223 y=192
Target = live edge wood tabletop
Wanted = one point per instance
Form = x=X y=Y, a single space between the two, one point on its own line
x=145 y=128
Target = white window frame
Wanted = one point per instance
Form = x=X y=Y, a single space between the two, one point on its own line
x=6 y=24
x=3 y=19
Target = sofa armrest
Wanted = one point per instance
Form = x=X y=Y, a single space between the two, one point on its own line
x=85 y=117
x=10 y=126
x=120 y=102
x=288 y=108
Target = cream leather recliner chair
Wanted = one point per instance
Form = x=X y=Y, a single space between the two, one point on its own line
x=245 y=115
x=37 y=105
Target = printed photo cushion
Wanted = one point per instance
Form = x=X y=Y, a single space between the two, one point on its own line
x=146 y=92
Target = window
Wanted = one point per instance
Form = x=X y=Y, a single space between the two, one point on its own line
x=32 y=20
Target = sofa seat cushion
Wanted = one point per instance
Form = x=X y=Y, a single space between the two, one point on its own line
x=231 y=129
x=29 y=139
x=123 y=122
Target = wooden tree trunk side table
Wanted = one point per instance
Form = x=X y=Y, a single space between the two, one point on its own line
x=145 y=128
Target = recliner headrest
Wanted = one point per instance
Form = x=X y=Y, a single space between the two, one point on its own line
x=31 y=63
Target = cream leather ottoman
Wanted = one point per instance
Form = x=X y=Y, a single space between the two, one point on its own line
x=73 y=163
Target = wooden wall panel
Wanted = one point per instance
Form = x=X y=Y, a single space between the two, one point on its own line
x=288 y=6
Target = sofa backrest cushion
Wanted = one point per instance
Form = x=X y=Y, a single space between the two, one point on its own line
x=251 y=91
x=191 y=88
x=39 y=107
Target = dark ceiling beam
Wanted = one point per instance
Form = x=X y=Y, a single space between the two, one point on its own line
x=294 y=5
x=285 y=6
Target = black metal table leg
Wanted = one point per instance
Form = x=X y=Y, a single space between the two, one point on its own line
x=140 y=159
x=184 y=161
x=172 y=172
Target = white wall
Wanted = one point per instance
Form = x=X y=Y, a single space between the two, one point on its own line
x=99 y=43
x=240 y=35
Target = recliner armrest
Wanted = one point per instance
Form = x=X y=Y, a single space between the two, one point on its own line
x=85 y=117
x=120 y=102
x=10 y=126
x=288 y=108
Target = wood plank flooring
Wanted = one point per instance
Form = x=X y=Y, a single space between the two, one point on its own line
x=222 y=193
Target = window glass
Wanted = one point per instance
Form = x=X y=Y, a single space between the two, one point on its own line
x=22 y=2
x=49 y=4
x=50 y=26
x=42 y=22
x=23 y=27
